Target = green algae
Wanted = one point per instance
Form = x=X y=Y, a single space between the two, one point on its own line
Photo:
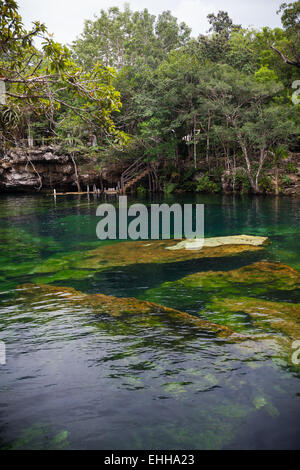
x=21 y=254
x=117 y=307
x=67 y=274
x=175 y=389
x=259 y=402
x=272 y=316
x=261 y=276
x=38 y=437
x=207 y=292
x=123 y=254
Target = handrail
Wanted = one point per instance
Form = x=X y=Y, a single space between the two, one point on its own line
x=138 y=166
x=131 y=166
x=132 y=173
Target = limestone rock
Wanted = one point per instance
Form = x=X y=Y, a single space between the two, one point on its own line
x=199 y=243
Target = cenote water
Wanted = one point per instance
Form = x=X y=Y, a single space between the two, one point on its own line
x=80 y=376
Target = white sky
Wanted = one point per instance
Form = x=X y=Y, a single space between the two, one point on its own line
x=65 y=18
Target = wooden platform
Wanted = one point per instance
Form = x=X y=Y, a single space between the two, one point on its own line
x=111 y=192
x=91 y=193
x=67 y=194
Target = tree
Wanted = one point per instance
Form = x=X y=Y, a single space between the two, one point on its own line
x=125 y=38
x=222 y=24
x=47 y=82
x=288 y=48
x=249 y=108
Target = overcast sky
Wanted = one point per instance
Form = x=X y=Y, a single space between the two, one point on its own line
x=64 y=18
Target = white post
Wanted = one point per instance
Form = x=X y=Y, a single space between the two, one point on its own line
x=2 y=92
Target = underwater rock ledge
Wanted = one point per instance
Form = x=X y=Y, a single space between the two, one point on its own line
x=84 y=264
x=115 y=306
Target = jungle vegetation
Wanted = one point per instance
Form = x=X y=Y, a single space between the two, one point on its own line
x=133 y=85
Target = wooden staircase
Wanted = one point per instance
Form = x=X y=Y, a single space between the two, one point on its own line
x=136 y=172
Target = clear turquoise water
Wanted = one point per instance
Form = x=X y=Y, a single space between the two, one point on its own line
x=77 y=380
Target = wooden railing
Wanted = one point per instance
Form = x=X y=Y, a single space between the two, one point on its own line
x=133 y=171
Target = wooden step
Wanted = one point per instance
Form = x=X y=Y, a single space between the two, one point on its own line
x=137 y=178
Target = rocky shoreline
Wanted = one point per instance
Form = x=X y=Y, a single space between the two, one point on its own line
x=47 y=168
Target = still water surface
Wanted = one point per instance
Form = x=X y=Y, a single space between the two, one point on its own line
x=75 y=379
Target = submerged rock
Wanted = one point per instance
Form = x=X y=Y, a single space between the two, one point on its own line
x=282 y=316
x=264 y=275
x=198 y=244
x=117 y=307
x=228 y=298
x=110 y=256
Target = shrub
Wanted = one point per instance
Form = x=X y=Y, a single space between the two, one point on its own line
x=291 y=168
x=242 y=182
x=141 y=191
x=265 y=182
x=286 y=181
x=206 y=185
x=170 y=188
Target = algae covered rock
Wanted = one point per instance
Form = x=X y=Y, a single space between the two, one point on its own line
x=114 y=306
x=233 y=298
x=263 y=275
x=123 y=254
x=282 y=316
x=199 y=288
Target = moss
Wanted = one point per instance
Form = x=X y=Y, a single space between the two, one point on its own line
x=116 y=307
x=202 y=291
x=111 y=256
x=282 y=316
x=261 y=402
x=36 y=437
x=175 y=388
x=67 y=274
x=264 y=275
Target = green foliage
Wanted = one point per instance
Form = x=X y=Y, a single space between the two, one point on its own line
x=291 y=168
x=264 y=74
x=141 y=191
x=126 y=38
x=46 y=85
x=214 y=103
x=170 y=188
x=242 y=182
x=206 y=185
x=286 y=181
x=265 y=183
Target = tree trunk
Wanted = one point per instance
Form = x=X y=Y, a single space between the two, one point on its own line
x=253 y=183
x=195 y=143
x=208 y=141
x=76 y=174
x=29 y=136
x=262 y=158
x=249 y=169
